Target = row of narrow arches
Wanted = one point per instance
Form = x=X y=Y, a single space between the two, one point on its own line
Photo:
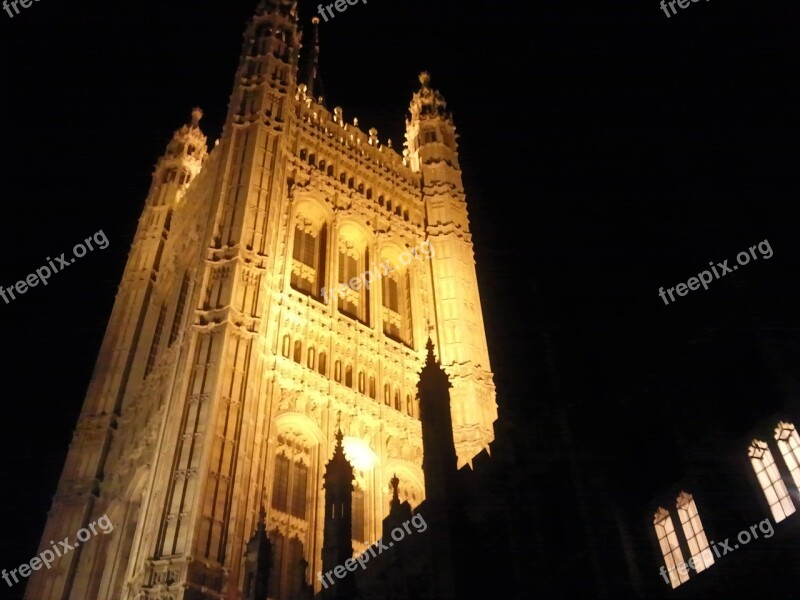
x=344 y=373
x=350 y=181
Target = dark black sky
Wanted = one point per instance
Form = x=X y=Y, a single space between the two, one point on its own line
x=607 y=151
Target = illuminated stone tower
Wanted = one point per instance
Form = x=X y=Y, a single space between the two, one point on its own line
x=233 y=348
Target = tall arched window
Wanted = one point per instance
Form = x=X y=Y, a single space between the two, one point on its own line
x=387 y=395
x=311 y=356
x=308 y=257
x=358 y=522
x=396 y=287
x=337 y=371
x=291 y=490
x=153 y=354
x=789 y=445
x=372 y=392
x=353 y=264
x=693 y=531
x=362 y=382
x=298 y=351
x=286 y=347
x=177 y=318
x=348 y=376
x=670 y=548
x=780 y=503
x=322 y=365
x=288 y=571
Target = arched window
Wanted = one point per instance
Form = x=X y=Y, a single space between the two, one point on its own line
x=694 y=533
x=780 y=503
x=372 y=392
x=330 y=170
x=322 y=365
x=308 y=257
x=362 y=382
x=397 y=400
x=348 y=376
x=337 y=371
x=311 y=356
x=303 y=154
x=358 y=530
x=275 y=576
x=670 y=548
x=295 y=570
x=353 y=263
x=387 y=395
x=298 y=351
x=409 y=406
x=396 y=288
x=153 y=354
x=290 y=495
x=789 y=445
x=177 y=318
x=287 y=344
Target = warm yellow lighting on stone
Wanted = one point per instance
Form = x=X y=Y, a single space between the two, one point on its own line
x=359 y=453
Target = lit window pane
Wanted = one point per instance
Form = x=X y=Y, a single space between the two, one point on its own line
x=668 y=541
x=769 y=477
x=694 y=532
x=789 y=445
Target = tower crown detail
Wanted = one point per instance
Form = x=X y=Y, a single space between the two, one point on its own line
x=428 y=102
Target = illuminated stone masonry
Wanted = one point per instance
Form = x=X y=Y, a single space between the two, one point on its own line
x=223 y=371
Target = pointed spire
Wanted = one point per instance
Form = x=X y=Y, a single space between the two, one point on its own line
x=433 y=376
x=395 y=491
x=197 y=115
x=439 y=462
x=431 y=359
x=262 y=517
x=314 y=84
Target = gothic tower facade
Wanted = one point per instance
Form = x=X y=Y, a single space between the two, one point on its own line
x=286 y=281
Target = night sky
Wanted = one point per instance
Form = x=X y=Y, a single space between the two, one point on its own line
x=607 y=151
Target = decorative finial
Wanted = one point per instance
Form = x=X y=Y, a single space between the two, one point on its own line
x=431 y=357
x=197 y=114
x=339 y=434
x=425 y=79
